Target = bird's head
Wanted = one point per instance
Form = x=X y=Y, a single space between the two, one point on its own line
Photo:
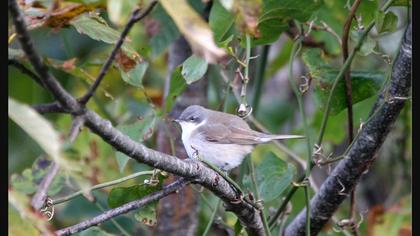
x=193 y=114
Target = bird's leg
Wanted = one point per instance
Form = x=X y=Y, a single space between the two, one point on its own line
x=195 y=154
x=224 y=174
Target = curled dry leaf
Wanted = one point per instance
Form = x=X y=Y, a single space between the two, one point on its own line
x=125 y=62
x=56 y=16
x=195 y=30
x=248 y=13
x=69 y=65
x=62 y=16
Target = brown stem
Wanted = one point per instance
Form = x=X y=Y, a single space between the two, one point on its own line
x=124 y=208
x=347 y=79
x=349 y=102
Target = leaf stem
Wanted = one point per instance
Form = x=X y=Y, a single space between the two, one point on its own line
x=245 y=80
x=213 y=215
x=260 y=78
x=103 y=185
x=257 y=193
x=295 y=50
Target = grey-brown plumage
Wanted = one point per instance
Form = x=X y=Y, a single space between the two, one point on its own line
x=220 y=138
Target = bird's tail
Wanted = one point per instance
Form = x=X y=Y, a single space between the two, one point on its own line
x=270 y=137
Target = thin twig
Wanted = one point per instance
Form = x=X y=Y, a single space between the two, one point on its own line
x=38 y=200
x=135 y=17
x=171 y=188
x=293 y=189
x=102 y=185
x=53 y=107
x=295 y=51
x=259 y=81
x=325 y=27
x=77 y=123
x=26 y=71
x=347 y=81
x=349 y=102
x=307 y=41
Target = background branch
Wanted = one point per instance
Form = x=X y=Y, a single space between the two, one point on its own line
x=362 y=153
x=349 y=102
x=26 y=71
x=53 y=107
x=124 y=208
x=135 y=17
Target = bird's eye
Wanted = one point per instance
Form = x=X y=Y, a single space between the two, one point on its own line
x=192 y=118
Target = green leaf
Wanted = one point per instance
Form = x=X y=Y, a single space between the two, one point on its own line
x=97 y=29
x=238 y=227
x=368 y=44
x=364 y=84
x=122 y=195
x=19 y=226
x=23 y=183
x=167 y=32
x=119 y=11
x=280 y=60
x=135 y=76
x=30 y=178
x=195 y=30
x=176 y=87
x=273 y=176
x=386 y=22
x=277 y=13
x=147 y=214
x=221 y=23
x=401 y=3
x=194 y=68
x=139 y=131
x=39 y=129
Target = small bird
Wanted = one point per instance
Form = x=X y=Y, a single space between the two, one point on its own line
x=220 y=138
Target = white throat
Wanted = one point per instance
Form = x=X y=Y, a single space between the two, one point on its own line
x=187 y=129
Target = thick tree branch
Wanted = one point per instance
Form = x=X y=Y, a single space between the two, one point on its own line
x=362 y=153
x=135 y=17
x=190 y=169
x=124 y=208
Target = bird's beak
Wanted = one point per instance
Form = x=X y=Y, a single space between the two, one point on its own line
x=176 y=120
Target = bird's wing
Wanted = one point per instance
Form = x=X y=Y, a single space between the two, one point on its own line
x=228 y=134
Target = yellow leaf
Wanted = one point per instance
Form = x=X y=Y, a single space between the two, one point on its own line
x=196 y=31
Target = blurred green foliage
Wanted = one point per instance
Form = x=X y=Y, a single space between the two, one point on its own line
x=132 y=95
